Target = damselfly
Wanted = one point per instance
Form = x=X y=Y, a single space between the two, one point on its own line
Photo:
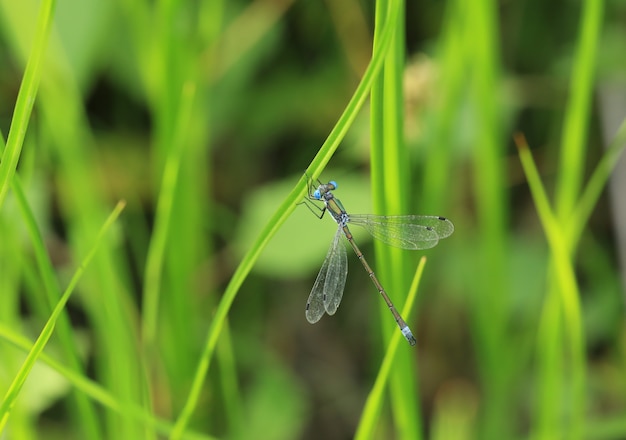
x=403 y=231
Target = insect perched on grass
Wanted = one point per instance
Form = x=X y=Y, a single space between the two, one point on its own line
x=402 y=231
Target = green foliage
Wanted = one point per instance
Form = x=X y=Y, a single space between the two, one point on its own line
x=183 y=318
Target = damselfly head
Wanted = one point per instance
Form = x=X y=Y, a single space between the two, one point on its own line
x=323 y=189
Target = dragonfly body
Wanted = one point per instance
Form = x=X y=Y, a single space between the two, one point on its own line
x=407 y=232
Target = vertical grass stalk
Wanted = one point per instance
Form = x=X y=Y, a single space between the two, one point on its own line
x=26 y=97
x=390 y=194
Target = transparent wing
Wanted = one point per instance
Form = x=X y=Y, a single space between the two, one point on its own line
x=328 y=287
x=336 y=276
x=405 y=231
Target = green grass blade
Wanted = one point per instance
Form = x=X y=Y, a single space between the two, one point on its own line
x=157 y=247
x=563 y=242
x=594 y=187
x=491 y=307
x=26 y=98
x=346 y=119
x=85 y=412
x=86 y=415
x=568 y=288
x=390 y=163
x=94 y=391
x=550 y=333
x=576 y=124
x=16 y=385
x=451 y=85
x=374 y=402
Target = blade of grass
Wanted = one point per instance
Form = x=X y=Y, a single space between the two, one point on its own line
x=569 y=181
x=242 y=34
x=94 y=391
x=26 y=98
x=374 y=402
x=83 y=205
x=390 y=164
x=490 y=305
x=443 y=122
x=550 y=359
x=17 y=383
x=568 y=288
x=576 y=124
x=157 y=246
x=86 y=417
x=594 y=187
x=346 y=119
x=390 y=194
x=283 y=211
x=86 y=414
x=550 y=333
x=232 y=399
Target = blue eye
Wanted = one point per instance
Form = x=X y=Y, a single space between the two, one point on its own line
x=333 y=183
x=317 y=194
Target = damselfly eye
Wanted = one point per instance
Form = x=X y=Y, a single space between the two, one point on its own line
x=317 y=195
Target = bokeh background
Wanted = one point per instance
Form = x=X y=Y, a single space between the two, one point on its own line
x=204 y=115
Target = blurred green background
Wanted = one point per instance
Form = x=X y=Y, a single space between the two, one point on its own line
x=204 y=115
